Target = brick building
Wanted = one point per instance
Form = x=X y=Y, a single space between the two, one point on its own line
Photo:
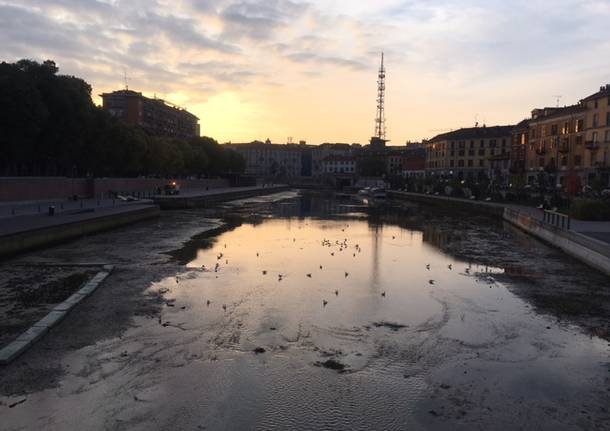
x=157 y=117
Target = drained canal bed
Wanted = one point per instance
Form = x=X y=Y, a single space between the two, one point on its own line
x=313 y=312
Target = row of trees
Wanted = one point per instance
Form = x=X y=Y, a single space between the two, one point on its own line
x=49 y=125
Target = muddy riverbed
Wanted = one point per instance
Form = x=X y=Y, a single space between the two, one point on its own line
x=314 y=312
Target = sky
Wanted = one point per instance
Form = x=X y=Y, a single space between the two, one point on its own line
x=257 y=69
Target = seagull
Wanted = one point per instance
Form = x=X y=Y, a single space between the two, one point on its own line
x=431 y=281
x=393 y=237
x=354 y=254
x=383 y=293
x=332 y=254
x=324 y=302
x=257 y=254
x=227 y=261
x=428 y=266
x=467 y=270
x=224 y=307
x=309 y=275
x=264 y=272
x=177 y=280
x=208 y=302
x=346 y=274
x=320 y=266
x=336 y=292
x=279 y=277
x=225 y=246
x=450 y=267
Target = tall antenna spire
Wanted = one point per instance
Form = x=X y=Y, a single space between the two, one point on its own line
x=380 y=118
x=125 y=79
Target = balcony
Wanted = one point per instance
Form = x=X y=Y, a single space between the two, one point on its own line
x=591 y=145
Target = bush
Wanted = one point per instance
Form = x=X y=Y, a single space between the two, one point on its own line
x=590 y=209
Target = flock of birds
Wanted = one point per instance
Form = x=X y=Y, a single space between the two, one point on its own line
x=342 y=246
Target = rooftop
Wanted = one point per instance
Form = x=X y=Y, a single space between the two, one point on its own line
x=474 y=133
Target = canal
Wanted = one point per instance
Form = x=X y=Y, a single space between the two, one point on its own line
x=310 y=311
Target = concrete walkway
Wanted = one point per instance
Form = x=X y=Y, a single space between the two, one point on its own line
x=25 y=223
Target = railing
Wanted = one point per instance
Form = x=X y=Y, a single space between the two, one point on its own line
x=556 y=219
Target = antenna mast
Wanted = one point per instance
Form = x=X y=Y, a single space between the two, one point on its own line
x=125 y=79
x=380 y=118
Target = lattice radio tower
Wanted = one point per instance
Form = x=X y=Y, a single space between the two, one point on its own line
x=380 y=118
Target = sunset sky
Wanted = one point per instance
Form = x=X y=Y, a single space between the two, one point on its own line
x=276 y=69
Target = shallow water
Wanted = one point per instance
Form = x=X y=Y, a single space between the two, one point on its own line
x=455 y=345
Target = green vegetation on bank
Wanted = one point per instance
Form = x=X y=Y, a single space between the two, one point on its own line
x=49 y=125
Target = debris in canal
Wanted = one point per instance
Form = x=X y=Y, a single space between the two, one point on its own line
x=393 y=326
x=332 y=364
x=10 y=406
x=259 y=350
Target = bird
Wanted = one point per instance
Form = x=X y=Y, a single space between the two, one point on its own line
x=208 y=302
x=264 y=272
x=431 y=281
x=225 y=246
x=203 y=267
x=177 y=280
x=383 y=293
x=346 y=274
x=428 y=266
x=354 y=254
x=467 y=270
x=393 y=237
x=320 y=266
x=332 y=254
x=227 y=261
x=224 y=307
x=324 y=302
x=450 y=267
x=257 y=254
x=279 y=277
x=309 y=275
x=336 y=292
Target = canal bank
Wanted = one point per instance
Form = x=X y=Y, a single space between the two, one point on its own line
x=207 y=198
x=586 y=249
x=23 y=233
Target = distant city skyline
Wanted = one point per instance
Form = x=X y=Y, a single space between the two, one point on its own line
x=307 y=70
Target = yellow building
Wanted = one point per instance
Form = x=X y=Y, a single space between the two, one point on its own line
x=597 y=135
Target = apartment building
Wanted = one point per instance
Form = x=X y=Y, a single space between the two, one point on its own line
x=466 y=153
x=265 y=159
x=596 y=158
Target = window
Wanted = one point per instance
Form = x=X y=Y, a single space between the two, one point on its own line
x=470 y=163
x=608 y=119
x=461 y=163
x=564 y=161
x=503 y=142
x=482 y=144
x=594 y=137
x=461 y=144
x=481 y=152
x=595 y=120
x=577 y=160
x=554 y=129
x=595 y=104
x=451 y=163
x=471 y=144
x=492 y=143
x=579 y=140
x=452 y=145
x=579 y=126
x=541 y=162
x=481 y=162
x=471 y=152
x=461 y=153
x=607 y=135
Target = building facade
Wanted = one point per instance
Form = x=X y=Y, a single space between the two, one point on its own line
x=265 y=159
x=466 y=153
x=556 y=147
x=339 y=165
x=597 y=137
x=155 y=116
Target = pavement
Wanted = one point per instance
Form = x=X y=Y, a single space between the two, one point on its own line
x=15 y=209
x=29 y=222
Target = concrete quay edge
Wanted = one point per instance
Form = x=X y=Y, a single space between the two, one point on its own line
x=44 y=325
